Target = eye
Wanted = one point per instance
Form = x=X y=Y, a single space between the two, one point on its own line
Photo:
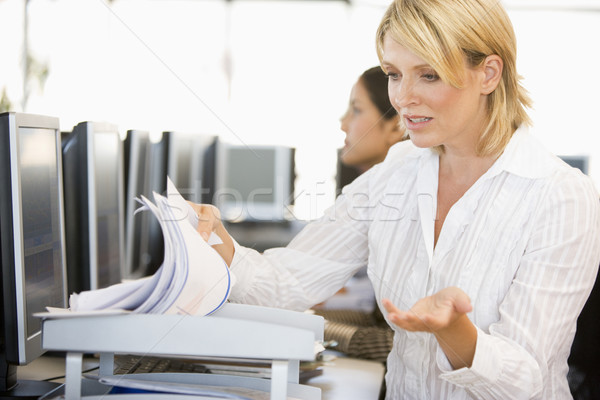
x=393 y=76
x=431 y=77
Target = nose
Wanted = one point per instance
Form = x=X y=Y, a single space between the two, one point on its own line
x=344 y=122
x=403 y=94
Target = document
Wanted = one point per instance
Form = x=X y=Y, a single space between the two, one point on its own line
x=121 y=385
x=193 y=278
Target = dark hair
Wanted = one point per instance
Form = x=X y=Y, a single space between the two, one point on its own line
x=376 y=83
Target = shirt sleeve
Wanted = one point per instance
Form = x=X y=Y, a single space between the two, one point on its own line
x=539 y=313
x=316 y=263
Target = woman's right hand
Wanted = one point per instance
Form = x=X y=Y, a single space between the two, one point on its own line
x=209 y=220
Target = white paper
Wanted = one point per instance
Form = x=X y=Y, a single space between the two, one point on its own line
x=206 y=391
x=54 y=312
x=193 y=278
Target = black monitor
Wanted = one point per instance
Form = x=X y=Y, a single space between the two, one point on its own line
x=32 y=242
x=94 y=217
x=254 y=183
x=190 y=163
x=344 y=175
x=179 y=148
x=202 y=175
x=144 y=174
x=581 y=162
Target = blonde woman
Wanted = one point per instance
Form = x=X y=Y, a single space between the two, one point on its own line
x=482 y=247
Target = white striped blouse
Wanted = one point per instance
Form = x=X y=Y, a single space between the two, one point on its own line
x=523 y=243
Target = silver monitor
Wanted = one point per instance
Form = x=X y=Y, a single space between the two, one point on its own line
x=32 y=239
x=254 y=183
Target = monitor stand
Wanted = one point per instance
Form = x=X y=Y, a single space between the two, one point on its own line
x=11 y=388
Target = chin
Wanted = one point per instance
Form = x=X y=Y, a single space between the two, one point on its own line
x=422 y=141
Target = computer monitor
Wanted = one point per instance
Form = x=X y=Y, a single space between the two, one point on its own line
x=254 y=183
x=581 y=162
x=32 y=242
x=344 y=175
x=190 y=163
x=202 y=175
x=179 y=147
x=94 y=217
x=144 y=174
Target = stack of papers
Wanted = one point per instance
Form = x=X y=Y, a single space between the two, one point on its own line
x=193 y=278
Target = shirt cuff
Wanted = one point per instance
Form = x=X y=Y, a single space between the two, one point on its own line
x=240 y=272
x=484 y=369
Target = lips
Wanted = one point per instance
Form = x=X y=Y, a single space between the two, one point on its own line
x=416 y=121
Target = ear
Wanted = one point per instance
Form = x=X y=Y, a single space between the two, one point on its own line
x=492 y=68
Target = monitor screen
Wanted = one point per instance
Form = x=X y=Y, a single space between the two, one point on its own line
x=31 y=234
x=251 y=172
x=93 y=191
x=254 y=183
x=109 y=215
x=42 y=242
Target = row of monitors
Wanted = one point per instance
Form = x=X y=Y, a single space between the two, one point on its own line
x=67 y=210
x=245 y=182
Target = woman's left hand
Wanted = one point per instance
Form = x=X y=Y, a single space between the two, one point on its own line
x=444 y=315
x=432 y=313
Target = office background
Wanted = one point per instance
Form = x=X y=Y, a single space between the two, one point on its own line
x=267 y=72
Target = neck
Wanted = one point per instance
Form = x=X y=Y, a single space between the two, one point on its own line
x=464 y=168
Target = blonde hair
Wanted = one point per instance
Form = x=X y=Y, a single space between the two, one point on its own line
x=446 y=33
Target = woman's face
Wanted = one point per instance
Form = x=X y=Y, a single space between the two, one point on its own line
x=368 y=135
x=434 y=112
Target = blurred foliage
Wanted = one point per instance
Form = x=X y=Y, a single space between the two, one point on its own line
x=5 y=103
x=37 y=71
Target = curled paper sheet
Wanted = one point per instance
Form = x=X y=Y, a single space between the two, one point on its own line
x=193 y=278
x=182 y=209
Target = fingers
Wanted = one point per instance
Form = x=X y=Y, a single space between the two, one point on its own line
x=405 y=320
x=209 y=219
x=460 y=300
x=389 y=306
x=422 y=317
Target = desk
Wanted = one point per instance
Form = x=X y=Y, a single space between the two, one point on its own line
x=350 y=379
x=342 y=379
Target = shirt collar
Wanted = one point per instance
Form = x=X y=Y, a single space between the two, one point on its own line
x=525 y=156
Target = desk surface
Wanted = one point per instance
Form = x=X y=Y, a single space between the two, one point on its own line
x=350 y=378
x=342 y=379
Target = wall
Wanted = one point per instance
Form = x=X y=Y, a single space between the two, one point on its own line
x=267 y=72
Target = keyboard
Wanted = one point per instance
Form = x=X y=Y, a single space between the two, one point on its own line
x=136 y=364
x=131 y=364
